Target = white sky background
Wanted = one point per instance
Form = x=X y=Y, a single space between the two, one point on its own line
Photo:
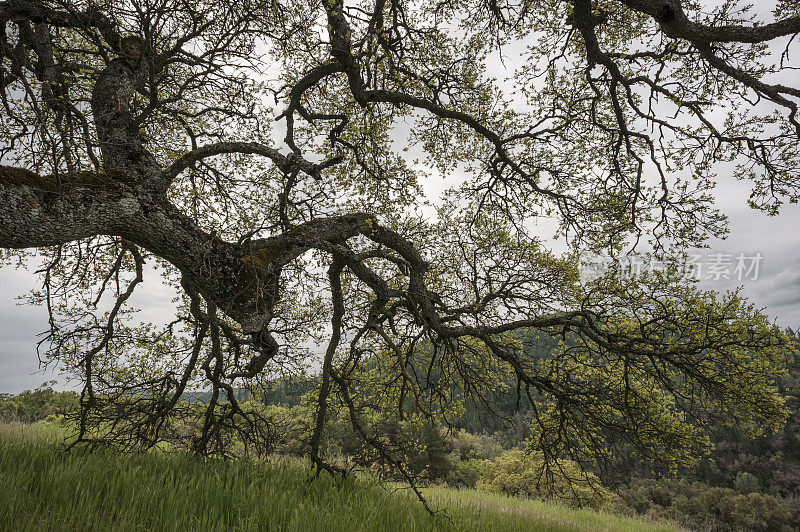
x=777 y=289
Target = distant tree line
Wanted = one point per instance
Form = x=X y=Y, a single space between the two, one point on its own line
x=36 y=405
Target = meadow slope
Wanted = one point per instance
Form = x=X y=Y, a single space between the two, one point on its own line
x=43 y=488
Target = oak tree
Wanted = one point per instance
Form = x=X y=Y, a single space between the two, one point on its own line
x=269 y=160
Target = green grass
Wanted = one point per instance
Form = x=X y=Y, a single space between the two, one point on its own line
x=44 y=488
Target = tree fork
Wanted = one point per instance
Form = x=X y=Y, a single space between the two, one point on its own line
x=40 y=211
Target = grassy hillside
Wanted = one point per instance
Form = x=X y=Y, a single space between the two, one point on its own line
x=44 y=488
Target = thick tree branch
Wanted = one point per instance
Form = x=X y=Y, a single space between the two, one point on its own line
x=674 y=23
x=285 y=163
x=22 y=10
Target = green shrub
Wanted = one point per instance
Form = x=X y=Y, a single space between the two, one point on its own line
x=465 y=473
x=702 y=507
x=746 y=483
x=756 y=512
x=470 y=446
x=527 y=475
